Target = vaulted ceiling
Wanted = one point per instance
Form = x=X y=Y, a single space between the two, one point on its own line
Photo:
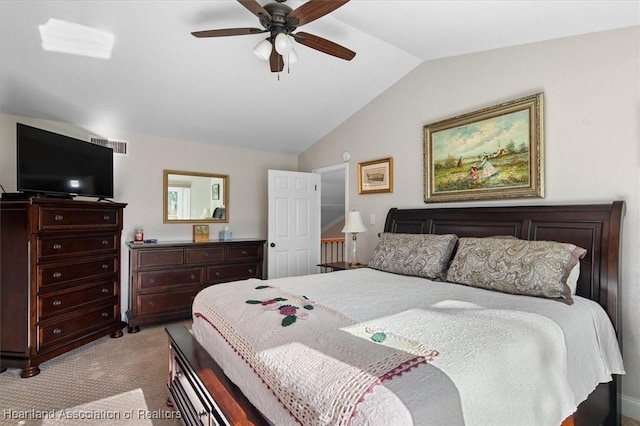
x=163 y=81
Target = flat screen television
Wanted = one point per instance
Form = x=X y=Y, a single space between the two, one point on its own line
x=50 y=164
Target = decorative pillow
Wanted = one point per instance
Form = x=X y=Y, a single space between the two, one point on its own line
x=532 y=268
x=421 y=255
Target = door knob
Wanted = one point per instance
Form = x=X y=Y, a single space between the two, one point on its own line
x=272 y=245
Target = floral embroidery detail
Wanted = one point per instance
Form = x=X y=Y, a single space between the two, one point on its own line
x=290 y=312
x=377 y=334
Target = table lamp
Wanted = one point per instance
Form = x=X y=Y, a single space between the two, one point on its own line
x=353 y=225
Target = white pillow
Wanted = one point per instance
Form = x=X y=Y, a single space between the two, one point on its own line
x=572 y=279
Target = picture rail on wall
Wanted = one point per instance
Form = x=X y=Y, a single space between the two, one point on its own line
x=494 y=153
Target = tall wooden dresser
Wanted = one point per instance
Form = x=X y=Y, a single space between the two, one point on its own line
x=165 y=277
x=59 y=277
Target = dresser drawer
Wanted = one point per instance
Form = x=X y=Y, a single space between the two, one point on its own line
x=50 y=247
x=160 y=258
x=176 y=277
x=59 y=332
x=62 y=302
x=243 y=253
x=59 y=273
x=173 y=301
x=205 y=255
x=52 y=218
x=232 y=272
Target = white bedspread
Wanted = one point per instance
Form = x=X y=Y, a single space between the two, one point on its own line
x=503 y=360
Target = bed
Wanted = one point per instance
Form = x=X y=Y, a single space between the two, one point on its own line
x=386 y=345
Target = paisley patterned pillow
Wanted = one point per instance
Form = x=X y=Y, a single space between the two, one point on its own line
x=532 y=268
x=421 y=255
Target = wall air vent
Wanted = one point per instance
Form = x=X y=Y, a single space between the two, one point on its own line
x=118 y=147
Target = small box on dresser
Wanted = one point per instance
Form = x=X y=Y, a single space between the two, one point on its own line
x=60 y=281
x=165 y=277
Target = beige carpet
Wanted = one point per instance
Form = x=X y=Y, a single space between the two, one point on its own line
x=125 y=409
x=92 y=373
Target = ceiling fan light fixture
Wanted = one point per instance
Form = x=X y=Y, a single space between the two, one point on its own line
x=263 y=49
x=283 y=44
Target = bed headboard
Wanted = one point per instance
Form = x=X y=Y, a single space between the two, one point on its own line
x=594 y=227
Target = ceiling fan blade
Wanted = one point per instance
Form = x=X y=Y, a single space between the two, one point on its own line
x=312 y=10
x=227 y=32
x=275 y=61
x=324 y=45
x=255 y=8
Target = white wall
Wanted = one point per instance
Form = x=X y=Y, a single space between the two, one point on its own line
x=138 y=180
x=591 y=131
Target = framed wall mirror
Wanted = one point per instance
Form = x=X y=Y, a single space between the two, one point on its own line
x=195 y=197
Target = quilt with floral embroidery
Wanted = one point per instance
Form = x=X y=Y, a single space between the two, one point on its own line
x=318 y=362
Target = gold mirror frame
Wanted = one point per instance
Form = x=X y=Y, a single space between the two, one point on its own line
x=192 y=197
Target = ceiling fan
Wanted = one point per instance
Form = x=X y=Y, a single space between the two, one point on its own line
x=280 y=21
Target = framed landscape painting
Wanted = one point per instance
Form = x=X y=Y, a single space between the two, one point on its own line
x=490 y=154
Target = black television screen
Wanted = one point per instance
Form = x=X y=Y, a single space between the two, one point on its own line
x=53 y=164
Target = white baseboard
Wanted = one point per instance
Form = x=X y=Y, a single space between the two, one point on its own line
x=630 y=407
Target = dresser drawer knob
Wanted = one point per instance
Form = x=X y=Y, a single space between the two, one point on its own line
x=105 y=266
x=150 y=303
x=57 y=246
x=57 y=274
x=152 y=280
x=250 y=271
x=57 y=331
x=57 y=302
x=105 y=314
x=105 y=290
x=217 y=274
x=105 y=242
x=58 y=217
x=205 y=254
x=106 y=217
x=193 y=277
x=244 y=252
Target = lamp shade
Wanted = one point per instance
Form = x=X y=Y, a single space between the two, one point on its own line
x=282 y=44
x=263 y=49
x=354 y=223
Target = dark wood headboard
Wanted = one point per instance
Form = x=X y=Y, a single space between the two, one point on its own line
x=596 y=227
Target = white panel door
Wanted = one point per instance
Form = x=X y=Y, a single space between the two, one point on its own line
x=294 y=224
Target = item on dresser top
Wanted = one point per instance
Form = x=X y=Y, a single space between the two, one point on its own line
x=225 y=235
x=200 y=233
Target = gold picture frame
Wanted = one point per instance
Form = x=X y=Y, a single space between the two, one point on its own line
x=200 y=233
x=494 y=153
x=375 y=176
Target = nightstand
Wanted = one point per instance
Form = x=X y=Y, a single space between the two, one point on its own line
x=340 y=266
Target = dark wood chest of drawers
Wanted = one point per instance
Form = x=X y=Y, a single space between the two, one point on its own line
x=165 y=277
x=60 y=277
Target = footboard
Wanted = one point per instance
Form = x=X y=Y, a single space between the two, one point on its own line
x=199 y=389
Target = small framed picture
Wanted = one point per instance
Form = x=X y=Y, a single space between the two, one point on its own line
x=375 y=176
x=200 y=233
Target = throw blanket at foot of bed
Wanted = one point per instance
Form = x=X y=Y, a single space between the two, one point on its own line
x=303 y=352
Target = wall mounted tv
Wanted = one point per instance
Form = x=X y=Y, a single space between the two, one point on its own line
x=50 y=164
